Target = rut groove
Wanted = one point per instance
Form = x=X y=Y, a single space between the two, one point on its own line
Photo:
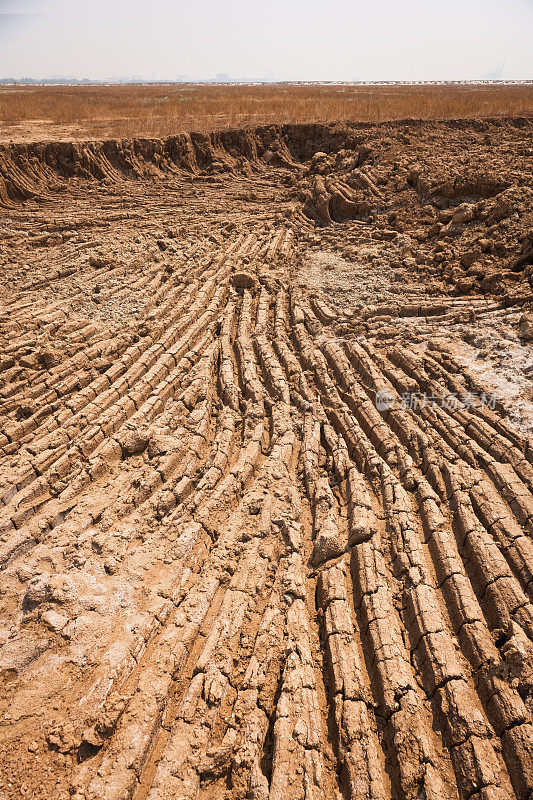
x=229 y=569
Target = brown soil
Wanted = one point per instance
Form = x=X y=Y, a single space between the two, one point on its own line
x=266 y=465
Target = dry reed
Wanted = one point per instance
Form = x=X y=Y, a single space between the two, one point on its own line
x=161 y=110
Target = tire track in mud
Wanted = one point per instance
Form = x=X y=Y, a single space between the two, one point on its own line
x=229 y=571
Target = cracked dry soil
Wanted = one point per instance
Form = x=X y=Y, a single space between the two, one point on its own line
x=226 y=572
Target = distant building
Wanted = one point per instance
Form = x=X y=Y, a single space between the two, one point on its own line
x=496 y=73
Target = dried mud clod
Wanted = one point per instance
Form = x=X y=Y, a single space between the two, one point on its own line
x=266 y=465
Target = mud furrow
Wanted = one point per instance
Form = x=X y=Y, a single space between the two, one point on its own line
x=266 y=465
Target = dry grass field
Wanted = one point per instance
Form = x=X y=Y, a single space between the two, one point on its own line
x=58 y=112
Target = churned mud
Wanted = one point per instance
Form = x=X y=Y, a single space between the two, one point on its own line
x=266 y=465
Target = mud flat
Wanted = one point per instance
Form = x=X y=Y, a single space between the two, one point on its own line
x=266 y=465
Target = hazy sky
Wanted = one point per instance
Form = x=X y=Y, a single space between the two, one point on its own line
x=282 y=39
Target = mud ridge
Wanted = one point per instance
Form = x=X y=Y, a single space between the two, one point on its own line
x=266 y=507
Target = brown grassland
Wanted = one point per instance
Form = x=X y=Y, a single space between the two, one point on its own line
x=62 y=112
